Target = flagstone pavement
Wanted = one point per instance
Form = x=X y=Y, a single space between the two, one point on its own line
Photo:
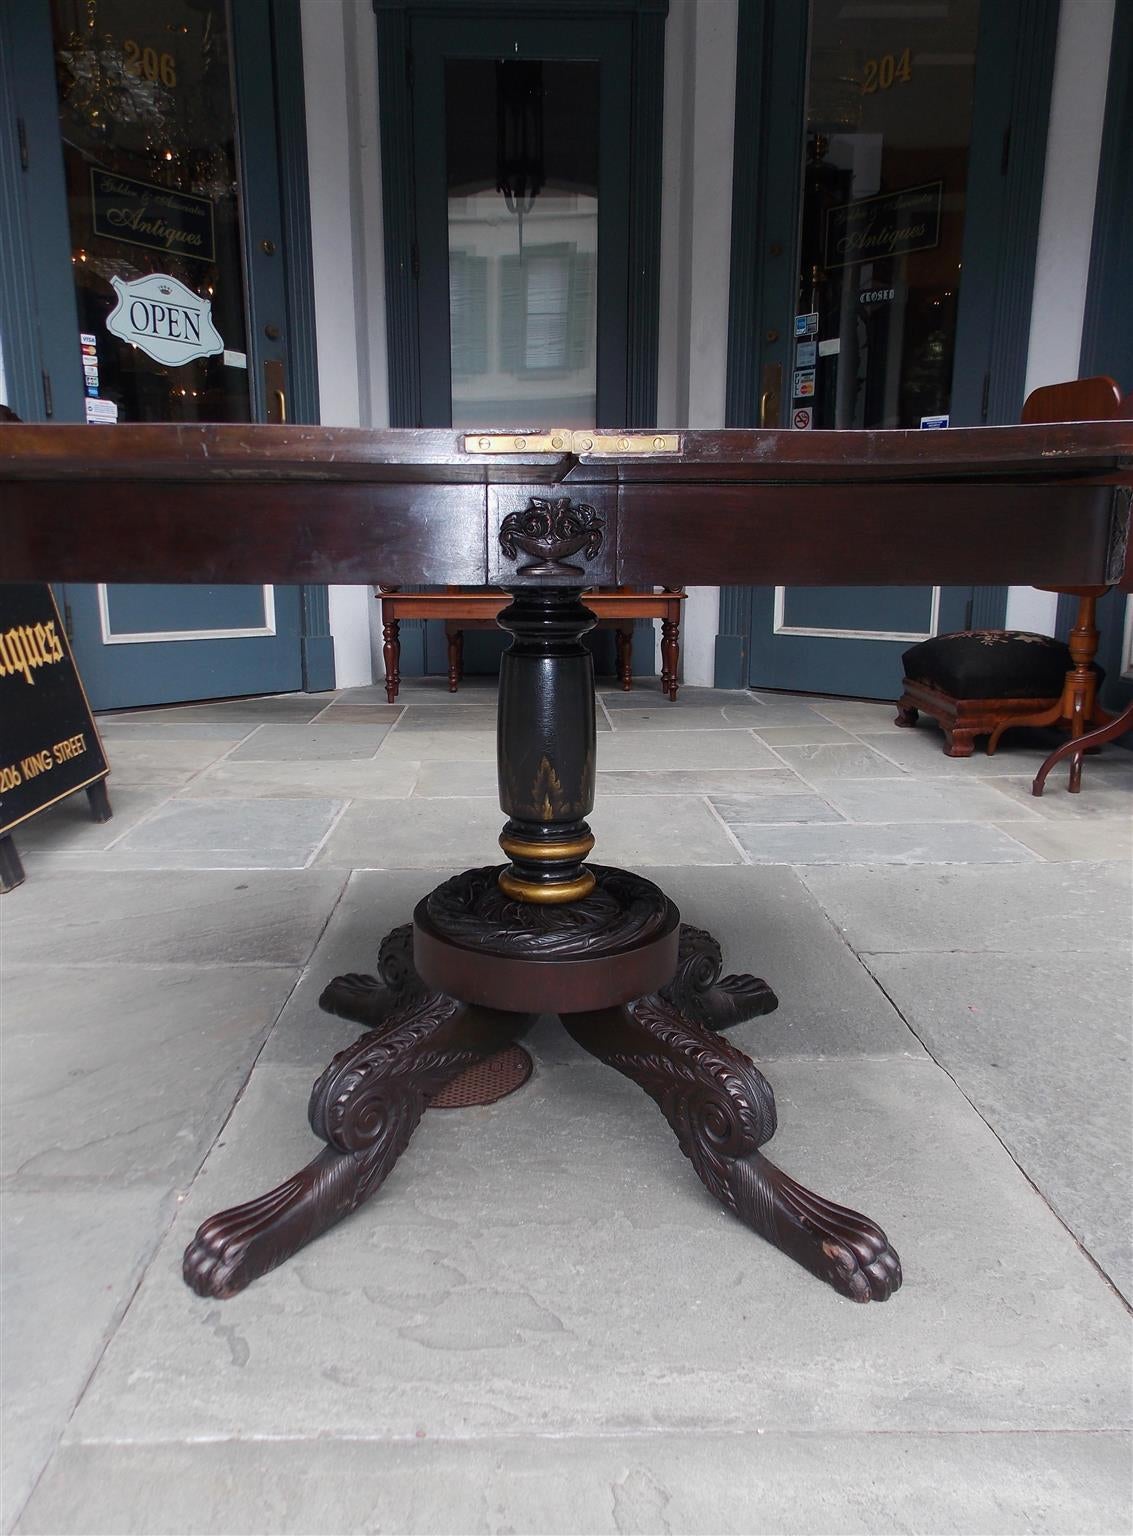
x=542 y=1322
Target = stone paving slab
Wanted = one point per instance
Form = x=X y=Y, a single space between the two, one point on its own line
x=702 y=1485
x=856 y=714
x=819 y=761
x=921 y=750
x=774 y=780
x=414 y=834
x=908 y=843
x=747 y=810
x=115 y=729
x=767 y=923
x=1097 y=798
x=126 y=1073
x=646 y=692
x=804 y=734
x=451 y=745
x=901 y=800
x=282 y=743
x=69 y=826
x=376 y=778
x=150 y=764
x=71 y=1262
x=442 y=781
x=203 y=917
x=661 y=829
x=299 y=707
x=1109 y=837
x=1042 y=1049
x=259 y=833
x=1034 y=906
x=373 y=902
x=665 y=716
x=359 y=714
x=423 y=690
x=462 y=717
x=685 y=749
x=551 y=1266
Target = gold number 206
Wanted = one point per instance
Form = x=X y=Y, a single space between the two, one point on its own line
x=148 y=62
x=886 y=71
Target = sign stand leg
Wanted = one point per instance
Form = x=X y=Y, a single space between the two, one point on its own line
x=11 y=870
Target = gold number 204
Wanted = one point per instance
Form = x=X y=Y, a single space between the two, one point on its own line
x=886 y=71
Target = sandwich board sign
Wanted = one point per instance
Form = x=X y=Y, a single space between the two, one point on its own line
x=49 y=747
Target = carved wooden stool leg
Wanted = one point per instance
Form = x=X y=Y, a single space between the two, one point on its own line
x=705 y=997
x=907 y=712
x=722 y=1110
x=365 y=1106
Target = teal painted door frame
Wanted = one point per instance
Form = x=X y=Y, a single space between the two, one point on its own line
x=1012 y=95
x=289 y=646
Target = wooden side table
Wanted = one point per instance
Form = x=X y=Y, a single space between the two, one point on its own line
x=460 y=608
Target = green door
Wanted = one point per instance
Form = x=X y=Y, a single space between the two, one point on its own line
x=880 y=241
x=522 y=165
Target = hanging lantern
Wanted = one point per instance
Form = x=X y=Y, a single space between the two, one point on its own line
x=519 y=132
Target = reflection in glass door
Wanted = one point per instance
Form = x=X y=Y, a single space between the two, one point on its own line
x=147 y=120
x=148 y=128
x=522 y=180
x=888 y=127
x=888 y=123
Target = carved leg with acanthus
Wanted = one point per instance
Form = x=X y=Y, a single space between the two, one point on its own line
x=703 y=995
x=365 y=1106
x=722 y=1110
x=370 y=1000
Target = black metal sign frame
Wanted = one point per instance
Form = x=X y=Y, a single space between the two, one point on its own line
x=49 y=745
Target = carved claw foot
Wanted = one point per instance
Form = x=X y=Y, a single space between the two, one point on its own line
x=370 y=1000
x=705 y=997
x=236 y=1246
x=366 y=1106
x=845 y=1249
x=723 y=1110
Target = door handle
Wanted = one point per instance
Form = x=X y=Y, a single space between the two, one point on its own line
x=275 y=396
x=769 y=399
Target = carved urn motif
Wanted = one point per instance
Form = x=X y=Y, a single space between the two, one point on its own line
x=549 y=529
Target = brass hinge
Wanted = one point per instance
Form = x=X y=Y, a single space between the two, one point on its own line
x=580 y=442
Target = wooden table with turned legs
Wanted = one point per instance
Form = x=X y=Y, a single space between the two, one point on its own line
x=549 y=931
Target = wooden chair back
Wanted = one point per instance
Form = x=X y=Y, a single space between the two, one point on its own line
x=1094 y=399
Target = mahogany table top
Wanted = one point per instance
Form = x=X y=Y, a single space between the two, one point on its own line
x=1042 y=504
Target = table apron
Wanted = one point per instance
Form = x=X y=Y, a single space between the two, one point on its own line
x=1062 y=534
x=830 y=535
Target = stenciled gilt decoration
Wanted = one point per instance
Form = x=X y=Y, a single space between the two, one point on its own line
x=549 y=529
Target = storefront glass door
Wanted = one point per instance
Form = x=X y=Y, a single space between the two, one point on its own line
x=888 y=146
x=162 y=290
x=522 y=144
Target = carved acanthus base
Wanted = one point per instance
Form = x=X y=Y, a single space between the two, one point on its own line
x=365 y=1106
x=722 y=1110
x=704 y=996
x=370 y=1000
